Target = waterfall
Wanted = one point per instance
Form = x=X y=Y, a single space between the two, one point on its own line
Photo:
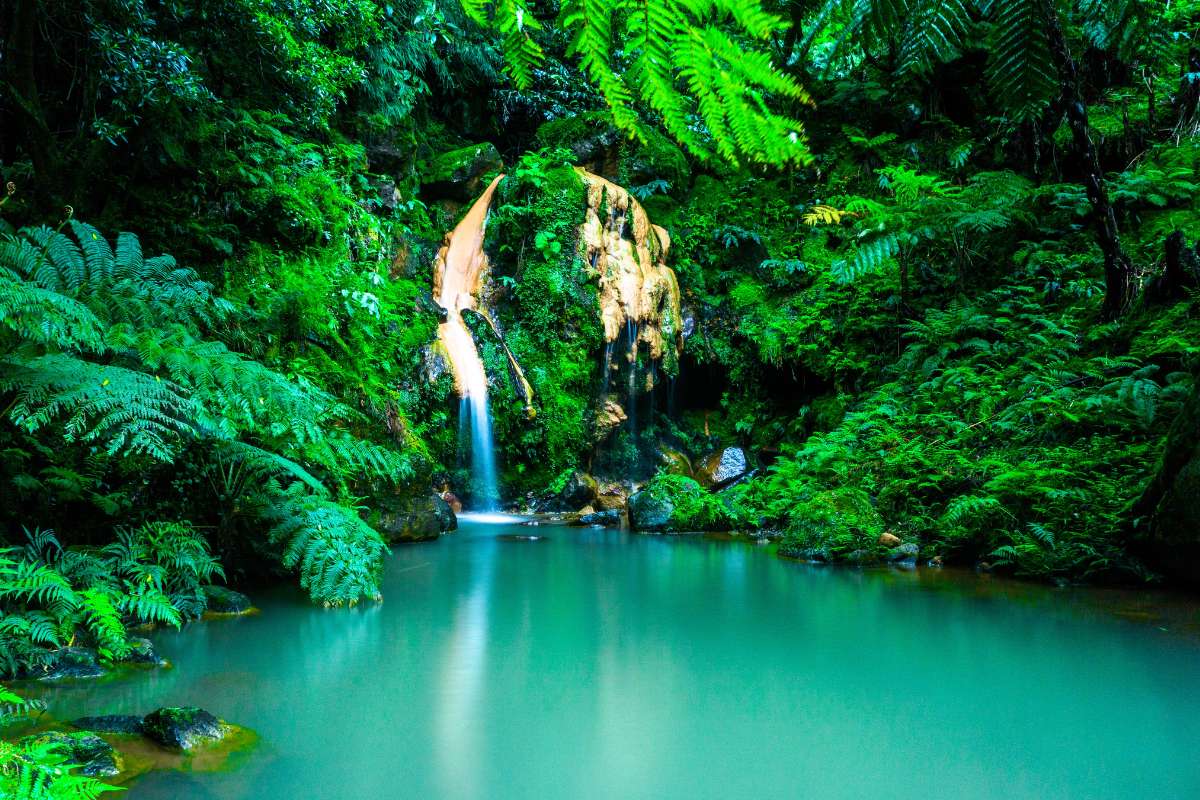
x=462 y=261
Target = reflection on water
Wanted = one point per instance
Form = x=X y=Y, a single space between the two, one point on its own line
x=597 y=664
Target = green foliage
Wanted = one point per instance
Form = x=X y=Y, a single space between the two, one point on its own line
x=120 y=361
x=51 y=597
x=684 y=60
x=694 y=508
x=33 y=769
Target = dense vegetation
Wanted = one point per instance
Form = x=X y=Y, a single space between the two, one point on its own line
x=937 y=263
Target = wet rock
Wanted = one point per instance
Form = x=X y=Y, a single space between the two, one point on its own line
x=141 y=651
x=428 y=517
x=74 y=662
x=610 y=501
x=458 y=174
x=580 y=490
x=111 y=723
x=888 y=539
x=222 y=600
x=452 y=500
x=183 y=727
x=609 y=417
x=97 y=757
x=609 y=518
x=674 y=462
x=905 y=552
x=722 y=467
x=650 y=512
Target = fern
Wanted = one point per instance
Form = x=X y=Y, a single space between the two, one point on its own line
x=337 y=556
x=687 y=60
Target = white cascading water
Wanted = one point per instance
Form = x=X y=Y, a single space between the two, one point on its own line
x=463 y=260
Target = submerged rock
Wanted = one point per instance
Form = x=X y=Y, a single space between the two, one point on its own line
x=111 y=723
x=650 y=512
x=608 y=518
x=98 y=758
x=722 y=467
x=222 y=600
x=184 y=727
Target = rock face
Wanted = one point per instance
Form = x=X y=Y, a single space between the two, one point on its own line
x=183 y=727
x=458 y=175
x=580 y=490
x=638 y=291
x=648 y=512
x=97 y=757
x=222 y=600
x=428 y=518
x=723 y=467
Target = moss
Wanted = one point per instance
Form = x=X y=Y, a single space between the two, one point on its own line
x=695 y=509
x=463 y=163
x=654 y=157
x=834 y=525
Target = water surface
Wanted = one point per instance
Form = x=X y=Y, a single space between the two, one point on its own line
x=597 y=664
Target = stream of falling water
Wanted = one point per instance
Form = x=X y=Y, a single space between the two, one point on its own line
x=463 y=260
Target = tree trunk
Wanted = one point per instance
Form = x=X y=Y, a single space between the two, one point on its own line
x=1120 y=282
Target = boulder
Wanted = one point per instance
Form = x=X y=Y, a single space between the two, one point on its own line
x=610 y=501
x=428 y=517
x=222 y=600
x=722 y=467
x=97 y=757
x=455 y=504
x=888 y=539
x=458 y=174
x=141 y=651
x=905 y=552
x=649 y=511
x=610 y=518
x=111 y=723
x=183 y=727
x=74 y=662
x=580 y=490
x=674 y=462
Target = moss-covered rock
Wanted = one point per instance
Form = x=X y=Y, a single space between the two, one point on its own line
x=426 y=517
x=96 y=757
x=835 y=525
x=650 y=511
x=223 y=600
x=183 y=727
x=459 y=174
x=678 y=503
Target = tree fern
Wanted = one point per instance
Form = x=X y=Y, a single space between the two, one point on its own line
x=688 y=60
